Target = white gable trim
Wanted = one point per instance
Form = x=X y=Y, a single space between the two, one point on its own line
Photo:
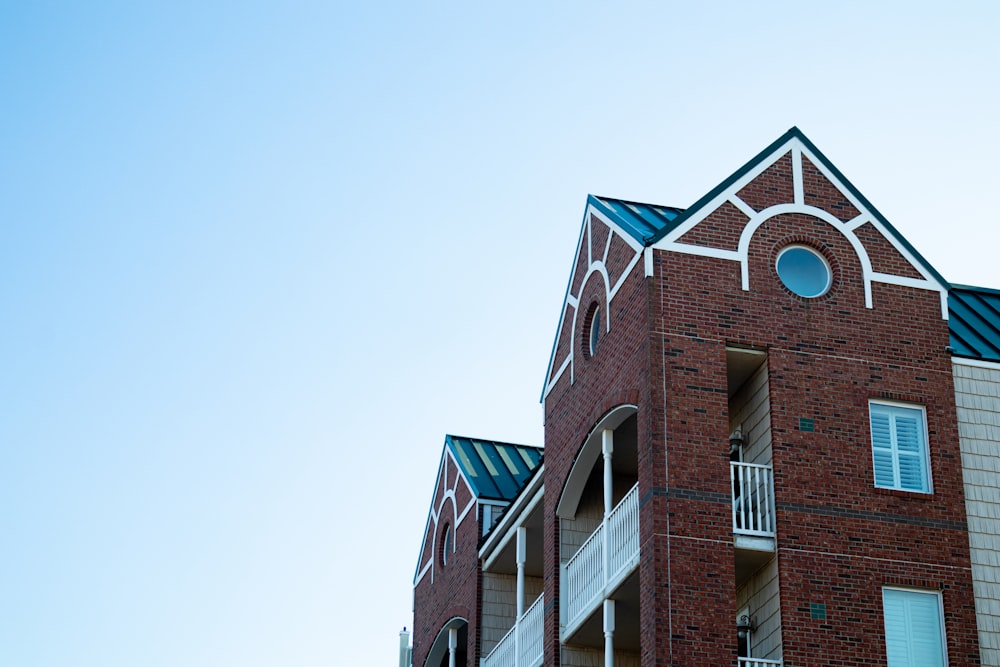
x=436 y=513
x=671 y=242
x=726 y=195
x=798 y=187
x=596 y=263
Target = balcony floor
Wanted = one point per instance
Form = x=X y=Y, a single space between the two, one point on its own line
x=590 y=633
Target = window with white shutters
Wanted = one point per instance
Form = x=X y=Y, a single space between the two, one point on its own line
x=899 y=447
x=914 y=634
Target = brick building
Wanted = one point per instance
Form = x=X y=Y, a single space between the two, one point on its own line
x=772 y=437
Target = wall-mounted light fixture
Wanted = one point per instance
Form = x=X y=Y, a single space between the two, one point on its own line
x=744 y=626
x=735 y=441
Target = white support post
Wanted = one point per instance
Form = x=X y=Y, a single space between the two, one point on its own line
x=404 y=648
x=522 y=556
x=452 y=645
x=609 y=633
x=607 y=448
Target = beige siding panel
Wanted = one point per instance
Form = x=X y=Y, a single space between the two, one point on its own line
x=977 y=395
x=750 y=409
x=500 y=605
x=573 y=656
x=760 y=594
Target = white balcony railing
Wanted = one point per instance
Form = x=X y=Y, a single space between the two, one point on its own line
x=522 y=646
x=531 y=635
x=605 y=558
x=753 y=502
x=758 y=662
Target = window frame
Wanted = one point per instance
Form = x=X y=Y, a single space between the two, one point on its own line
x=785 y=278
x=942 y=634
x=889 y=407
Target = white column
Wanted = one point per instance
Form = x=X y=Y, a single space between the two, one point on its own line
x=522 y=556
x=609 y=633
x=452 y=645
x=607 y=448
x=404 y=648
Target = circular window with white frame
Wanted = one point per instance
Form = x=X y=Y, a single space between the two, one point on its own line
x=591 y=330
x=446 y=545
x=804 y=271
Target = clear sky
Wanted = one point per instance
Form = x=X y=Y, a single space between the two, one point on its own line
x=257 y=258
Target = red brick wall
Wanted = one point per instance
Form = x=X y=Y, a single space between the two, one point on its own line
x=839 y=539
x=616 y=375
x=454 y=589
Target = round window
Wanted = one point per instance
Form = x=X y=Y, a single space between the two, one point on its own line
x=595 y=331
x=804 y=271
x=446 y=545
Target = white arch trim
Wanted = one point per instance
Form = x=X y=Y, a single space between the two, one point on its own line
x=436 y=512
x=440 y=646
x=596 y=263
x=671 y=243
x=572 y=491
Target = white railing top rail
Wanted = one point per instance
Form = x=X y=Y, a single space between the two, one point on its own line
x=762 y=466
x=753 y=499
x=590 y=570
x=758 y=662
x=531 y=638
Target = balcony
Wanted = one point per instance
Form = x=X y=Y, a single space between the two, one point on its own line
x=753 y=517
x=523 y=645
x=759 y=662
x=753 y=499
x=603 y=562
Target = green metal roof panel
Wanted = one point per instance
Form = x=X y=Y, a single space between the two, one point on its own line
x=495 y=470
x=641 y=221
x=974 y=322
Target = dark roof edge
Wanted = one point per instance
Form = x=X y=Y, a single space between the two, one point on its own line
x=795 y=133
x=449 y=436
x=973 y=288
x=562 y=312
x=867 y=204
x=735 y=176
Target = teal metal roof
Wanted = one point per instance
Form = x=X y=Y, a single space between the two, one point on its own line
x=495 y=470
x=642 y=222
x=974 y=322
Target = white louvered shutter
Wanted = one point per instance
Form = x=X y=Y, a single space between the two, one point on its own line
x=913 y=636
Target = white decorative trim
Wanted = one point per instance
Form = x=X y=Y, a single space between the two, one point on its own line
x=461 y=517
x=744 y=207
x=436 y=512
x=704 y=251
x=647 y=257
x=858 y=221
x=587 y=456
x=901 y=280
x=757 y=218
x=798 y=187
x=717 y=201
x=594 y=265
x=506 y=529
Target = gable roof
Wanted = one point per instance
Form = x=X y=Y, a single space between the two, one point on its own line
x=974 y=322
x=778 y=147
x=494 y=470
x=643 y=222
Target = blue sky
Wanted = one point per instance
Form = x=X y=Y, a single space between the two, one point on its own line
x=257 y=259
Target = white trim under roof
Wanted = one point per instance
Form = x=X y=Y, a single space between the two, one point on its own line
x=526 y=501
